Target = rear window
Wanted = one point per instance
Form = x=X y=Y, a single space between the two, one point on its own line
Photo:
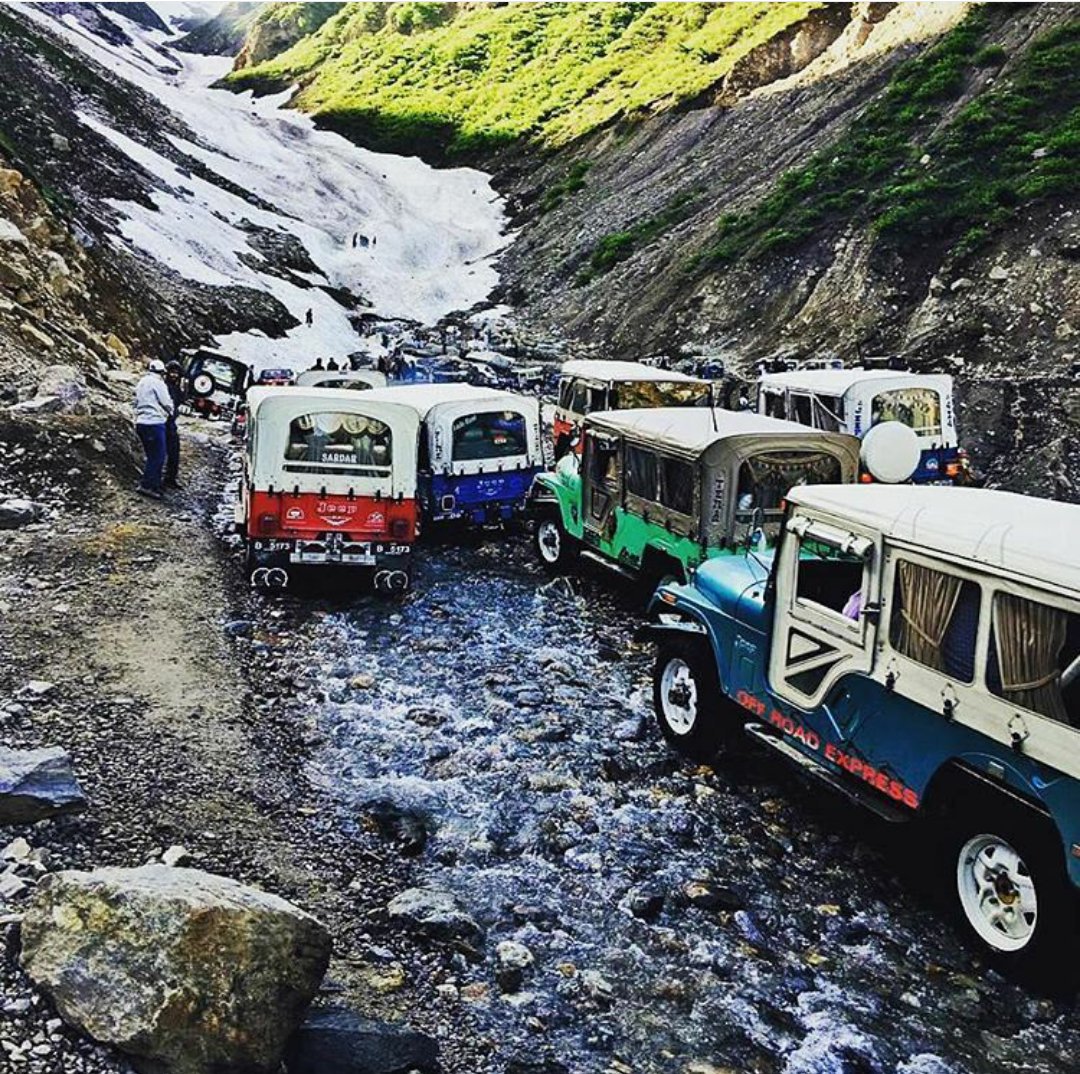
x=492 y=434
x=329 y=443
x=917 y=408
x=225 y=374
x=648 y=394
x=767 y=478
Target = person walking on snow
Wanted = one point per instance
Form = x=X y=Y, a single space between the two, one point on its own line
x=153 y=408
x=309 y=317
x=173 y=374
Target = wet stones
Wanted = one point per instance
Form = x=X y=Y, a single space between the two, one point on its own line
x=512 y=961
x=434 y=913
x=336 y=1040
x=37 y=784
x=707 y=895
x=192 y=971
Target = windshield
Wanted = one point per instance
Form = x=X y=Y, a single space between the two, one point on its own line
x=492 y=434
x=767 y=478
x=333 y=443
x=918 y=408
x=648 y=394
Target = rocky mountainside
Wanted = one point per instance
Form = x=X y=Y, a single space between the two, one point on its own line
x=808 y=180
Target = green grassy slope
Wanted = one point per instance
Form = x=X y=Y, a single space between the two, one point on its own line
x=457 y=78
x=915 y=179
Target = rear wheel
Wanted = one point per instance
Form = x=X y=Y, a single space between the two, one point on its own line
x=555 y=548
x=1014 y=895
x=690 y=707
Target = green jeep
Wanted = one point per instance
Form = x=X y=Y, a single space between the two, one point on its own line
x=656 y=492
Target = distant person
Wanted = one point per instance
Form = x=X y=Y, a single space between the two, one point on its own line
x=372 y=240
x=332 y=366
x=309 y=317
x=174 y=382
x=355 y=238
x=153 y=408
x=364 y=241
x=319 y=365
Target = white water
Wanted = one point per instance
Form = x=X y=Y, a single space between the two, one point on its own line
x=435 y=231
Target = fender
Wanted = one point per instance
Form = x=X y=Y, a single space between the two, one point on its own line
x=656 y=630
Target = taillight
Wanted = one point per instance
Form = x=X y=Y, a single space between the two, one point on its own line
x=952 y=469
x=866 y=479
x=267 y=523
x=399 y=528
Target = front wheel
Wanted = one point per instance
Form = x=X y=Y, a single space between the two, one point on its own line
x=1014 y=895
x=687 y=698
x=555 y=548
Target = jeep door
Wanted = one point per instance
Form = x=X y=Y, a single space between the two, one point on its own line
x=601 y=485
x=826 y=597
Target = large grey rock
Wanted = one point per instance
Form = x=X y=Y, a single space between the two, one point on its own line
x=66 y=383
x=196 y=973
x=17 y=512
x=436 y=913
x=36 y=784
x=335 y=1040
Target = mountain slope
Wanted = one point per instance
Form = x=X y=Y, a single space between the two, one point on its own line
x=278 y=27
x=447 y=79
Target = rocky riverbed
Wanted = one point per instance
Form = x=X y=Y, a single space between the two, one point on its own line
x=469 y=789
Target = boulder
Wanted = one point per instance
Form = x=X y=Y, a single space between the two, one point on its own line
x=336 y=1040
x=36 y=336
x=435 y=913
x=66 y=383
x=36 y=784
x=18 y=512
x=512 y=960
x=117 y=346
x=193 y=972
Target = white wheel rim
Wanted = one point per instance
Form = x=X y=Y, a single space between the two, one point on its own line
x=549 y=541
x=679 y=696
x=203 y=384
x=997 y=892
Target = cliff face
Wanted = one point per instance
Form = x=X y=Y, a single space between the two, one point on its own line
x=278 y=27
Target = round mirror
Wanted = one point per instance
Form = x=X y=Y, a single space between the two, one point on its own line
x=890 y=452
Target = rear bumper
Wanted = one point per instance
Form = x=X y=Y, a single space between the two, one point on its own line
x=335 y=550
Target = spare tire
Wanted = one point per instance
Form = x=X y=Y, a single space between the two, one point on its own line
x=202 y=385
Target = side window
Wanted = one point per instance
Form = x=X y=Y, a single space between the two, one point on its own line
x=802 y=409
x=1034 y=657
x=597 y=400
x=829 y=413
x=677 y=485
x=934 y=619
x=579 y=398
x=566 y=394
x=775 y=406
x=641 y=473
x=830 y=579
x=603 y=460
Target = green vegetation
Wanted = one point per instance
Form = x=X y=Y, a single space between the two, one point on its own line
x=450 y=79
x=917 y=180
x=570 y=183
x=620 y=245
x=277 y=27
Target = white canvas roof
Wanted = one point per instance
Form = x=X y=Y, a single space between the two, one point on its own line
x=312 y=377
x=695 y=428
x=422 y=397
x=838 y=381
x=438 y=405
x=272 y=411
x=603 y=370
x=1028 y=537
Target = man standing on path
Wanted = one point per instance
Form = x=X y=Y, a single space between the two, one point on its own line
x=173 y=381
x=309 y=317
x=153 y=408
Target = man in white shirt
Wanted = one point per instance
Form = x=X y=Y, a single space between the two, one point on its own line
x=153 y=408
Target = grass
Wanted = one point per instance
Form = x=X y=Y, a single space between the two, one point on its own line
x=462 y=78
x=916 y=180
x=620 y=245
x=571 y=182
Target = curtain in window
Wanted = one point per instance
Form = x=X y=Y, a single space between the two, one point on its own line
x=927 y=602
x=1029 y=637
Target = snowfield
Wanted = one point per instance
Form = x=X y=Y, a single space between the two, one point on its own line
x=424 y=238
